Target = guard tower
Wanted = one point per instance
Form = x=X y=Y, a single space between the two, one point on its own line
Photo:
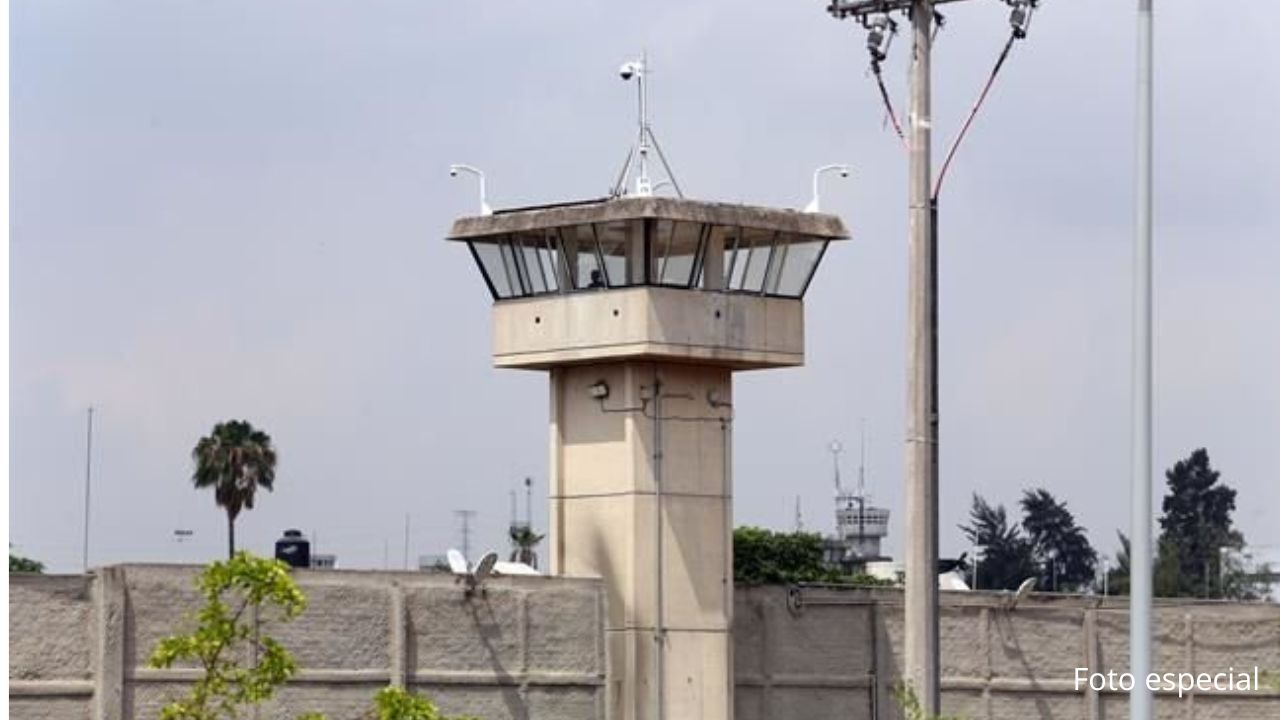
x=641 y=309
x=860 y=527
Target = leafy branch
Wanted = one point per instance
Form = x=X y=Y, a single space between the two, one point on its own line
x=223 y=636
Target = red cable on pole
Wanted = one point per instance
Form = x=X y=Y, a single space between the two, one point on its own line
x=942 y=175
x=888 y=103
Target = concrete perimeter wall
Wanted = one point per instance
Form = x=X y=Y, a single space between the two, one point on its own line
x=533 y=648
x=814 y=654
x=529 y=648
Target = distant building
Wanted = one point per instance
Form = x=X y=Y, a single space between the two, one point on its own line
x=324 y=561
x=433 y=562
x=1258 y=563
x=860 y=526
x=294 y=549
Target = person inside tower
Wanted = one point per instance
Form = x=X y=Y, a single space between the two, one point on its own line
x=597 y=279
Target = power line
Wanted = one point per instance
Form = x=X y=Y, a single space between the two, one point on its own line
x=982 y=98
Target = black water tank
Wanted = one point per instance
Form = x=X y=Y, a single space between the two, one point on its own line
x=294 y=549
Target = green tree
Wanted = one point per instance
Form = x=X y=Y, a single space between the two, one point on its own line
x=235 y=459
x=1195 y=530
x=1007 y=557
x=1059 y=546
x=524 y=541
x=763 y=557
x=1118 y=575
x=1196 y=550
x=240 y=594
x=20 y=564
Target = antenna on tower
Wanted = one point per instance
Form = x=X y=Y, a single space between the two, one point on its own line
x=862 y=459
x=836 y=448
x=638 y=155
x=799 y=518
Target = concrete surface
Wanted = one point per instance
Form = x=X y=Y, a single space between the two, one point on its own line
x=641 y=495
x=535 y=649
x=529 y=648
x=818 y=225
x=839 y=654
x=732 y=330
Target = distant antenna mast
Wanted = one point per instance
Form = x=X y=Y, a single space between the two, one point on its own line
x=799 y=518
x=862 y=482
x=406 y=541
x=638 y=155
x=862 y=460
x=464 y=517
x=836 y=448
x=88 y=474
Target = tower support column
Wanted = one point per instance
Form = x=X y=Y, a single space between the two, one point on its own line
x=641 y=495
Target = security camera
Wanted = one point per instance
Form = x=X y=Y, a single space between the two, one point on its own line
x=453 y=171
x=628 y=70
x=844 y=173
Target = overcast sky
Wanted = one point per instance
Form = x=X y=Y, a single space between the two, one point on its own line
x=236 y=210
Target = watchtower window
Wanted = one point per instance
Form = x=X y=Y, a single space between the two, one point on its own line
x=675 y=250
x=662 y=251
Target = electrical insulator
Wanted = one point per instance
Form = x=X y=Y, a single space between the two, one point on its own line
x=880 y=32
x=1020 y=18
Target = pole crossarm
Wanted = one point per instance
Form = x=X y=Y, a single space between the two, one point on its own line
x=842 y=9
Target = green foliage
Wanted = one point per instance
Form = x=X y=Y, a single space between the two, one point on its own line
x=239 y=595
x=1194 y=553
x=1195 y=529
x=525 y=541
x=1056 y=539
x=764 y=557
x=1118 y=576
x=1271 y=679
x=20 y=564
x=235 y=459
x=906 y=698
x=395 y=703
x=1008 y=557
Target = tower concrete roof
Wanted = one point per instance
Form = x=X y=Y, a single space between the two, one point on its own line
x=816 y=225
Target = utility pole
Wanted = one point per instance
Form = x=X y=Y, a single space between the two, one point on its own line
x=922 y=653
x=88 y=473
x=922 y=661
x=1140 y=704
x=835 y=448
x=528 y=502
x=406 y=541
x=464 y=517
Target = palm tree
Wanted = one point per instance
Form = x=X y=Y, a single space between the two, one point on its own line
x=524 y=540
x=235 y=460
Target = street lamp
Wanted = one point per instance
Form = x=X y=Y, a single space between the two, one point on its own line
x=815 y=203
x=484 y=203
